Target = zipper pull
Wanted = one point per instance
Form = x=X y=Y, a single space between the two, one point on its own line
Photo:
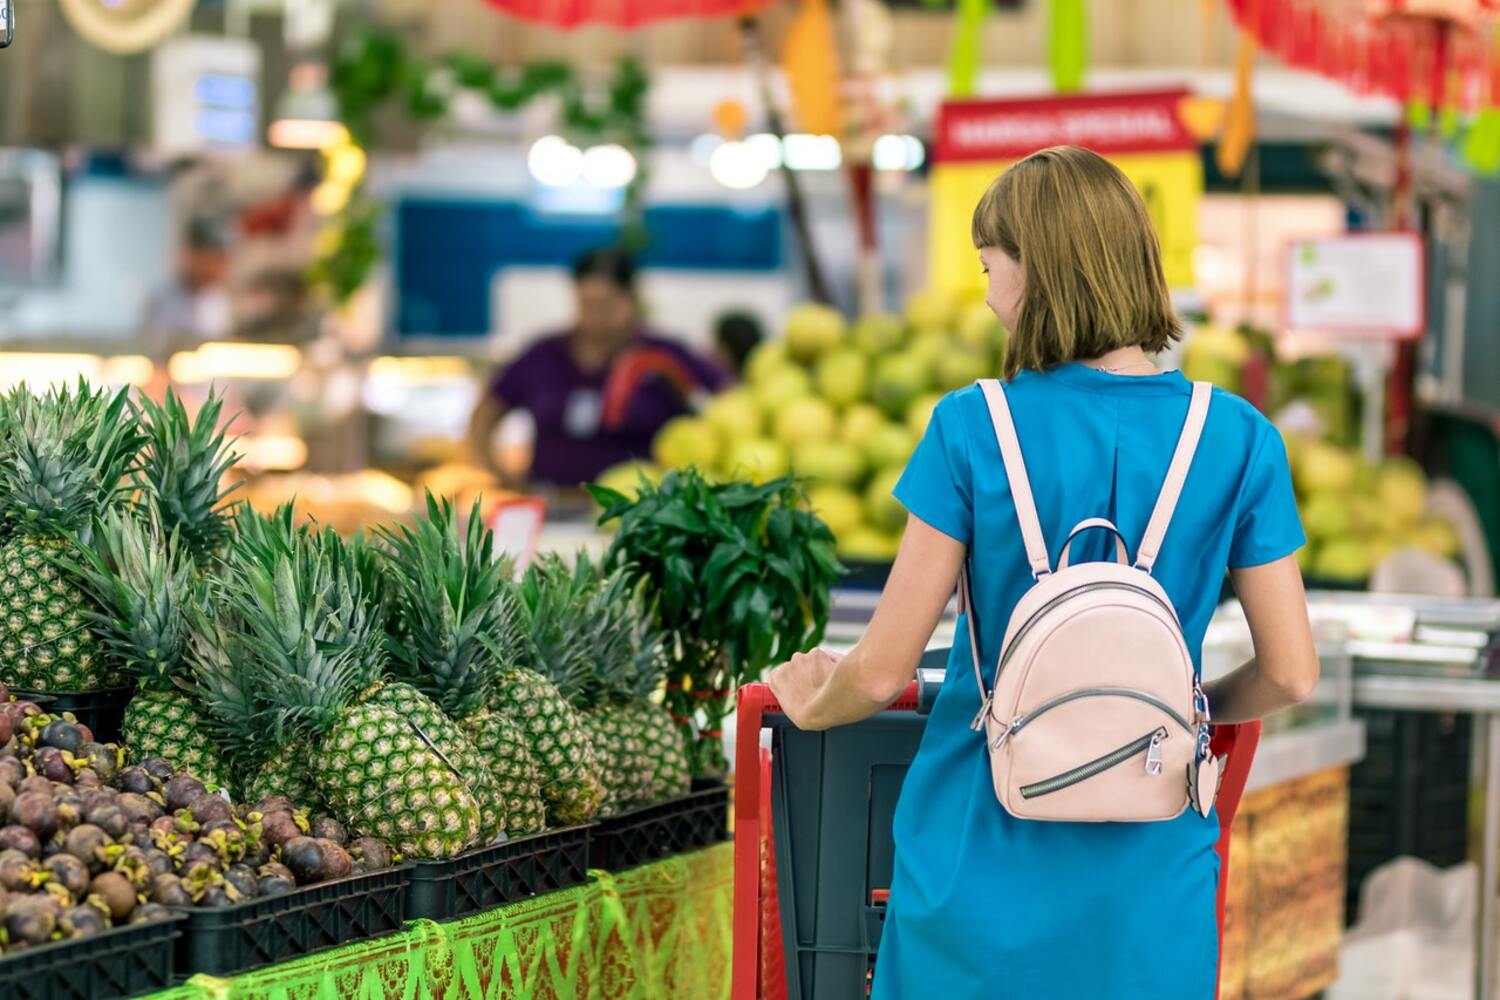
x=1153 y=753
x=984 y=709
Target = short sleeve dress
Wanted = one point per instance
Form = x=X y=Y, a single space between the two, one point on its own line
x=987 y=906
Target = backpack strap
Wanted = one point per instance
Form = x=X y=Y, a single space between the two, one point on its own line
x=1015 y=471
x=1171 y=490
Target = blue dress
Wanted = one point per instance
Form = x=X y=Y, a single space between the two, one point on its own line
x=986 y=906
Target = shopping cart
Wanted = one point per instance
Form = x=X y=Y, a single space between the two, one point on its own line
x=813 y=846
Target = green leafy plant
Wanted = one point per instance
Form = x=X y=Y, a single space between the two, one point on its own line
x=739 y=576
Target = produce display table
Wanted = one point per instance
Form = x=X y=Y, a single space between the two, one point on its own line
x=662 y=930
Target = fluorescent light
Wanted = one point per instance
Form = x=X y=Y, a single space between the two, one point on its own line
x=608 y=166
x=232 y=362
x=735 y=165
x=898 y=152
x=702 y=148
x=554 y=161
x=42 y=369
x=127 y=369
x=812 y=152
x=767 y=147
x=420 y=368
x=272 y=452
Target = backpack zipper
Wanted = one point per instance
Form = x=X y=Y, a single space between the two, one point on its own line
x=1063 y=699
x=1150 y=744
x=987 y=701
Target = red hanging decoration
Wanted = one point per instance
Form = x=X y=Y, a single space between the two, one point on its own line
x=1439 y=52
x=622 y=13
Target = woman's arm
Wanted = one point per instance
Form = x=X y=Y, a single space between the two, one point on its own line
x=1284 y=671
x=818 y=690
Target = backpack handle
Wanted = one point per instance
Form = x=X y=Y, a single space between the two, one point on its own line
x=1171 y=490
x=1122 y=555
x=1015 y=472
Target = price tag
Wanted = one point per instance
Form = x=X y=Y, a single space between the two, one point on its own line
x=517 y=523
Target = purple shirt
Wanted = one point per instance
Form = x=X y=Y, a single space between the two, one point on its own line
x=576 y=439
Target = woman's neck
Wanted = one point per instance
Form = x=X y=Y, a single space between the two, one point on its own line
x=1124 y=361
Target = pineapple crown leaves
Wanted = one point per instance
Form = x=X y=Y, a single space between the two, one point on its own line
x=226 y=687
x=304 y=636
x=586 y=629
x=141 y=583
x=182 y=470
x=450 y=606
x=66 y=457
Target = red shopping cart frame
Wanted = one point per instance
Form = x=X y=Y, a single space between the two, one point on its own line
x=759 y=963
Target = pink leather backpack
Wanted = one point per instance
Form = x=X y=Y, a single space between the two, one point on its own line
x=1095 y=714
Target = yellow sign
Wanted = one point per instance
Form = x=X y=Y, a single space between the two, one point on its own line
x=1171 y=184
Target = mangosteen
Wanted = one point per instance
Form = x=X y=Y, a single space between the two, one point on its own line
x=81 y=921
x=35 y=783
x=371 y=854
x=68 y=872
x=63 y=735
x=4 y=691
x=218 y=896
x=138 y=808
x=163 y=826
x=88 y=734
x=274 y=803
x=7 y=729
x=86 y=842
x=12 y=772
x=205 y=850
x=242 y=878
x=20 y=838
x=111 y=819
x=17 y=872
x=280 y=828
x=103 y=759
x=88 y=778
x=275 y=885
x=182 y=790
x=159 y=862
x=211 y=808
x=53 y=764
x=35 y=811
x=116 y=892
x=135 y=779
x=313 y=859
x=328 y=828
x=168 y=890
x=159 y=769
x=30 y=921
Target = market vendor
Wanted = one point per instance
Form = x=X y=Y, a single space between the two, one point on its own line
x=600 y=391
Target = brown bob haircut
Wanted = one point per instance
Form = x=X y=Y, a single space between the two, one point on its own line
x=1094 y=280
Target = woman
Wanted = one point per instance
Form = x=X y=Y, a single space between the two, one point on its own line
x=982 y=904
x=599 y=392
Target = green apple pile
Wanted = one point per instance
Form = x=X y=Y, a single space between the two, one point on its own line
x=1355 y=513
x=842 y=406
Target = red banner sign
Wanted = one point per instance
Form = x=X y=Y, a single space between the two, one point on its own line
x=1106 y=123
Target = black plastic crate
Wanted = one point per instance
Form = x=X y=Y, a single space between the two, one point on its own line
x=487 y=877
x=1409 y=796
x=257 y=932
x=102 y=711
x=123 y=962
x=695 y=820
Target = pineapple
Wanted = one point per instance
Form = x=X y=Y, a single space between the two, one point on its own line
x=302 y=660
x=182 y=473
x=449 y=614
x=140 y=582
x=64 y=459
x=549 y=644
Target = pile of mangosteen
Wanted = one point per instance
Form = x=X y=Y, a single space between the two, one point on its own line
x=88 y=842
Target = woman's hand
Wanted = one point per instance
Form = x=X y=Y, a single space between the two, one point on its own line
x=797 y=683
